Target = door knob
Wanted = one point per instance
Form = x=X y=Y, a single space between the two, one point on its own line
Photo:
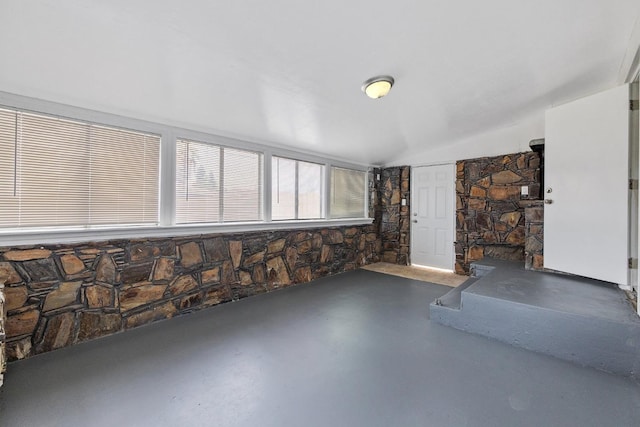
x=548 y=201
x=415 y=220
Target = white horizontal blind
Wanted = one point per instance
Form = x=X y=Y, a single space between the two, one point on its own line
x=283 y=188
x=242 y=185
x=309 y=190
x=347 y=193
x=197 y=182
x=10 y=207
x=59 y=172
x=296 y=189
x=215 y=184
x=124 y=176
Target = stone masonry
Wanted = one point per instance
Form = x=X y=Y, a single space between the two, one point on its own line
x=58 y=295
x=490 y=216
x=395 y=219
x=3 y=359
x=534 y=244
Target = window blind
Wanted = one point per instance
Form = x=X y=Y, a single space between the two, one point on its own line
x=309 y=190
x=197 y=182
x=296 y=189
x=60 y=172
x=215 y=184
x=283 y=192
x=347 y=193
x=242 y=185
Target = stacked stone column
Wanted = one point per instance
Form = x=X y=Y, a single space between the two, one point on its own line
x=534 y=244
x=395 y=220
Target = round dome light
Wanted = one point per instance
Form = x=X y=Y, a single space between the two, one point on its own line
x=377 y=87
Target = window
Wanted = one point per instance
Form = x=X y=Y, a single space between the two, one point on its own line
x=197 y=182
x=75 y=175
x=60 y=172
x=242 y=188
x=215 y=184
x=347 y=193
x=296 y=189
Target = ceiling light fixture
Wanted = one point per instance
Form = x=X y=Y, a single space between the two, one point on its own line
x=377 y=87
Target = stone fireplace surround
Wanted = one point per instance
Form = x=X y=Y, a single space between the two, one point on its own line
x=493 y=218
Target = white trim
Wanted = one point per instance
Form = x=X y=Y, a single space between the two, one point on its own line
x=167 y=193
x=36 y=237
x=630 y=66
x=167 y=197
x=366 y=193
x=441 y=163
x=326 y=208
x=267 y=183
x=10 y=100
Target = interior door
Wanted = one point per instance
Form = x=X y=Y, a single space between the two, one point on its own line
x=432 y=215
x=586 y=179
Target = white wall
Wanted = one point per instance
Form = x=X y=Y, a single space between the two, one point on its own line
x=511 y=139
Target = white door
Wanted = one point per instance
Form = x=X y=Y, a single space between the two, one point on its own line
x=586 y=180
x=432 y=216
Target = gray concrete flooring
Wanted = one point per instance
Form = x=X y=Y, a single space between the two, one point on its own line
x=509 y=281
x=352 y=350
x=585 y=321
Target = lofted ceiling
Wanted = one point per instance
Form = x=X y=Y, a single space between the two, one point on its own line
x=288 y=73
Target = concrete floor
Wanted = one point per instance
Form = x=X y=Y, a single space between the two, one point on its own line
x=581 y=320
x=352 y=350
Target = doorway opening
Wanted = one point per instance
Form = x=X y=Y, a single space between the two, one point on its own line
x=432 y=216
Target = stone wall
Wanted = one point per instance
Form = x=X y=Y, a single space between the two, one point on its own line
x=534 y=232
x=58 y=295
x=395 y=219
x=3 y=360
x=490 y=219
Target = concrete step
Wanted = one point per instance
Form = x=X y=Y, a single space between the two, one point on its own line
x=452 y=298
x=581 y=320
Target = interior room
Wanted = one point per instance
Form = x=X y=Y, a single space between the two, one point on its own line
x=320 y=214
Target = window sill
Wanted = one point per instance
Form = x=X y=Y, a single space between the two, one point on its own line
x=47 y=237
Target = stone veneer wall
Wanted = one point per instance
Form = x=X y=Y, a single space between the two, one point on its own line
x=534 y=244
x=3 y=360
x=395 y=219
x=490 y=219
x=58 y=295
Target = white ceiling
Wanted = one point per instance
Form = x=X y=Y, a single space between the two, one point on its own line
x=288 y=72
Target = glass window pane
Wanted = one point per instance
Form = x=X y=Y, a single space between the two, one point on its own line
x=242 y=194
x=296 y=189
x=347 y=193
x=9 y=199
x=309 y=190
x=197 y=182
x=60 y=172
x=283 y=188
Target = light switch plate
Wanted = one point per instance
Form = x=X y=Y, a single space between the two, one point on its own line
x=524 y=190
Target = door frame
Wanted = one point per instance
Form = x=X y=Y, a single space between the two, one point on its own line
x=634 y=202
x=634 y=199
x=452 y=261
